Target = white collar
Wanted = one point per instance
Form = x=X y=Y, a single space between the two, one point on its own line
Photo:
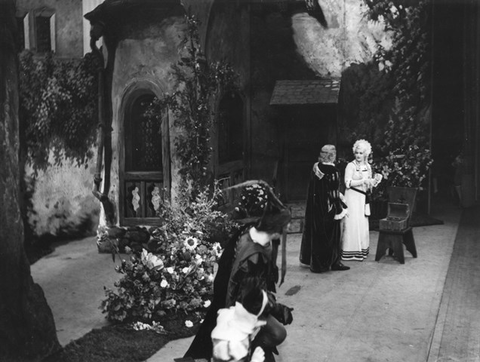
x=259 y=237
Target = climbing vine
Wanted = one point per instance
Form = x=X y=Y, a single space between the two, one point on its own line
x=58 y=108
x=198 y=82
x=407 y=63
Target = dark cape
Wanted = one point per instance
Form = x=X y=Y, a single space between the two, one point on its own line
x=253 y=263
x=321 y=246
x=202 y=345
x=228 y=267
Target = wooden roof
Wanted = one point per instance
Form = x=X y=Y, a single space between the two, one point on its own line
x=297 y=92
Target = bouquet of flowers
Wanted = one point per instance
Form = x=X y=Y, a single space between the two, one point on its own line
x=175 y=272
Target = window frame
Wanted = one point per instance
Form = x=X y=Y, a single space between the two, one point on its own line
x=143 y=177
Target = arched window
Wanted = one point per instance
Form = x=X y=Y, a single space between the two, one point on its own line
x=143 y=138
x=143 y=176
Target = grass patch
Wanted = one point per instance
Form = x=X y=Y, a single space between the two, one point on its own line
x=121 y=343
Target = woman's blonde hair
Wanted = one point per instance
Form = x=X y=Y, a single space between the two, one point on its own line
x=363 y=145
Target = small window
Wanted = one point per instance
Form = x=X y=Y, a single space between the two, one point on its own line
x=44 y=26
x=42 y=32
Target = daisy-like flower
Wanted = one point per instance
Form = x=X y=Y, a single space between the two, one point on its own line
x=190 y=243
x=218 y=249
x=164 y=283
x=188 y=324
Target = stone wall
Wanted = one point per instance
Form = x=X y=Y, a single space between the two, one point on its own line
x=262 y=49
x=68 y=24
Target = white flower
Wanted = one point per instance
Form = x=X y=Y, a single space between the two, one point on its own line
x=185 y=270
x=198 y=259
x=139 y=326
x=190 y=243
x=218 y=249
x=164 y=283
x=207 y=303
x=188 y=323
x=170 y=270
x=210 y=277
x=151 y=261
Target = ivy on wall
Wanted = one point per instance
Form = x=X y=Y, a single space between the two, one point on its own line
x=198 y=83
x=58 y=108
x=406 y=63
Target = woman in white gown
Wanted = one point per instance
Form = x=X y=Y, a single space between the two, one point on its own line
x=358 y=181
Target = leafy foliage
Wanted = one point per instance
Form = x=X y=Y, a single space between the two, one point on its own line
x=176 y=273
x=407 y=157
x=366 y=103
x=58 y=107
x=198 y=82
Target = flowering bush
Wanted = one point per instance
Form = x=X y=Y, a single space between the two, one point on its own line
x=407 y=156
x=404 y=148
x=176 y=273
x=407 y=168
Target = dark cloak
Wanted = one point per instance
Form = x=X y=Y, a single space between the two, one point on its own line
x=202 y=346
x=321 y=246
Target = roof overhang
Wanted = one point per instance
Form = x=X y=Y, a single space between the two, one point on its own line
x=305 y=92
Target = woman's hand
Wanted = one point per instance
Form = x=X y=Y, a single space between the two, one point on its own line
x=377 y=179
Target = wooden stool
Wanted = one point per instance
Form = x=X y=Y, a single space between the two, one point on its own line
x=394 y=241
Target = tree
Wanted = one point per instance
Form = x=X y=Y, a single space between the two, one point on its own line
x=405 y=149
x=27 y=328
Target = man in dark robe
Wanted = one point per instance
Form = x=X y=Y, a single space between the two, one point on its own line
x=321 y=244
x=249 y=255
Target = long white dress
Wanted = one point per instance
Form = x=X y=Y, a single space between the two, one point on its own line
x=355 y=235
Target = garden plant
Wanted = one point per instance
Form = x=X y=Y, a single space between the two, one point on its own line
x=403 y=155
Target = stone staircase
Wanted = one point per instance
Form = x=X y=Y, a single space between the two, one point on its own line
x=298 y=214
